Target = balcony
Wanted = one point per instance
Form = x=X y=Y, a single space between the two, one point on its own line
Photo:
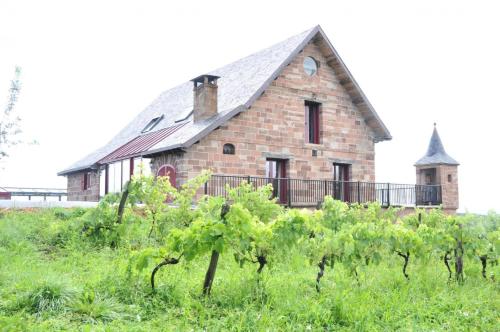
x=304 y=193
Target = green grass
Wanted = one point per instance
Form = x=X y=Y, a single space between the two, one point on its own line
x=53 y=279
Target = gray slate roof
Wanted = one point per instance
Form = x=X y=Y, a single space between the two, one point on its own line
x=240 y=84
x=436 y=153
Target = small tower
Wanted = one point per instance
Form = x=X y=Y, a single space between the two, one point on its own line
x=437 y=168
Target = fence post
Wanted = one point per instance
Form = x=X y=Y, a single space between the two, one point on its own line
x=416 y=195
x=289 y=193
x=206 y=186
x=326 y=189
x=388 y=194
x=359 y=194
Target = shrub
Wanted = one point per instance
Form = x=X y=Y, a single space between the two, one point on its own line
x=93 y=307
x=47 y=297
x=100 y=225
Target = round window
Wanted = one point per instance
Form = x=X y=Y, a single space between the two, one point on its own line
x=310 y=66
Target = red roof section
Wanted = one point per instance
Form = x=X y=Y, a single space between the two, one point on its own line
x=140 y=144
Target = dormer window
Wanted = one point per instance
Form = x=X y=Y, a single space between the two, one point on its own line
x=152 y=124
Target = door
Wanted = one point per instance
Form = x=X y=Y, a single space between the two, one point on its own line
x=341 y=188
x=428 y=193
x=276 y=174
x=168 y=170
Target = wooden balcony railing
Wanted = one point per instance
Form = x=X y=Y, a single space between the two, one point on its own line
x=302 y=192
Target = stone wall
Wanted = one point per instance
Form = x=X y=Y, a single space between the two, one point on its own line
x=274 y=127
x=75 y=187
x=447 y=177
x=449 y=188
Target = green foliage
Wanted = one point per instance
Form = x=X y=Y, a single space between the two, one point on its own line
x=48 y=297
x=81 y=285
x=67 y=214
x=163 y=225
x=100 y=224
x=202 y=236
x=92 y=307
x=156 y=192
x=258 y=201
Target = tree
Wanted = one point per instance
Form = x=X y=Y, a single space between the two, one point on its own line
x=9 y=121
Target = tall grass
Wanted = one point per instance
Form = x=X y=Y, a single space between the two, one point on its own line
x=47 y=284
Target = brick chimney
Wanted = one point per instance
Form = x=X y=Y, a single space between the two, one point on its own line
x=205 y=97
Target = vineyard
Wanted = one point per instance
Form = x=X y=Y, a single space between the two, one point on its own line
x=243 y=262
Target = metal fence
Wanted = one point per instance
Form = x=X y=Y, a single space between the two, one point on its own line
x=302 y=192
x=7 y=193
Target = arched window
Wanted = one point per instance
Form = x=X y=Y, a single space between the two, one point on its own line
x=167 y=170
x=228 y=149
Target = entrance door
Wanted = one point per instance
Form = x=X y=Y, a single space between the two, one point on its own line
x=167 y=170
x=276 y=174
x=341 y=182
x=428 y=193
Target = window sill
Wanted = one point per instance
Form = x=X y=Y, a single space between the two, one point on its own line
x=313 y=146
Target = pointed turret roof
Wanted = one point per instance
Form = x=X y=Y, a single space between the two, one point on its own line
x=436 y=153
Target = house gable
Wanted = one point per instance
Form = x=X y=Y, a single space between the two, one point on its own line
x=344 y=78
x=258 y=71
x=273 y=127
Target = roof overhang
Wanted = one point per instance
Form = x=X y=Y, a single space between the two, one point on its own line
x=140 y=144
x=78 y=169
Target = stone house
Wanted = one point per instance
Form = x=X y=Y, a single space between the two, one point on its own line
x=290 y=111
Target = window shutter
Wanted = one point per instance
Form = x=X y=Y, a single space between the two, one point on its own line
x=306 y=123
x=84 y=181
x=316 y=124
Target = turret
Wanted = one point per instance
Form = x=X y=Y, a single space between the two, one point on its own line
x=437 y=176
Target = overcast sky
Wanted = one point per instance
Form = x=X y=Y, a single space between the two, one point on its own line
x=90 y=66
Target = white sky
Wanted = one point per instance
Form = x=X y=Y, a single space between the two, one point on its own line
x=90 y=66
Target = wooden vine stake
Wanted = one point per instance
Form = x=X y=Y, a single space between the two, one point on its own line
x=123 y=200
x=214 y=259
